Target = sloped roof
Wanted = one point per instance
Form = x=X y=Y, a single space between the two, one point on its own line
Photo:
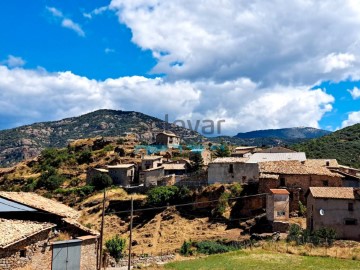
x=174 y=166
x=80 y=226
x=279 y=191
x=293 y=167
x=13 y=231
x=230 y=160
x=168 y=133
x=322 y=162
x=268 y=176
x=277 y=149
x=151 y=157
x=41 y=203
x=261 y=157
x=334 y=193
x=120 y=166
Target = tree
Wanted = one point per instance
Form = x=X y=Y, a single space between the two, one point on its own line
x=116 y=247
x=84 y=157
x=223 y=150
x=101 y=181
x=196 y=162
x=162 y=195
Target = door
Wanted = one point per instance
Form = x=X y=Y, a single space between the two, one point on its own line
x=66 y=255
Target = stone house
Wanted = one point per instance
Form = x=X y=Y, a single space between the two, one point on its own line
x=149 y=162
x=296 y=177
x=91 y=172
x=30 y=226
x=168 y=138
x=232 y=169
x=175 y=168
x=243 y=151
x=151 y=177
x=335 y=207
x=122 y=174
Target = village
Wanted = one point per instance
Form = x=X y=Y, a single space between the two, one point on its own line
x=41 y=233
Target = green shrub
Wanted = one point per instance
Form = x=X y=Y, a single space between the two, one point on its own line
x=236 y=189
x=196 y=162
x=317 y=237
x=158 y=196
x=84 y=157
x=30 y=186
x=185 y=249
x=50 y=180
x=211 y=247
x=302 y=209
x=101 y=181
x=222 y=204
x=116 y=247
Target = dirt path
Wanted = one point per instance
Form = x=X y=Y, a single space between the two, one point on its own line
x=156 y=234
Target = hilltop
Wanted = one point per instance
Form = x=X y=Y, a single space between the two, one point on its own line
x=273 y=137
x=27 y=141
x=344 y=145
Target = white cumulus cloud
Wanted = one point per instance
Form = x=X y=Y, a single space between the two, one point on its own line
x=14 y=61
x=37 y=95
x=272 y=42
x=353 y=118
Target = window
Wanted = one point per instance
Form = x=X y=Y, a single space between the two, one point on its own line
x=282 y=182
x=350 y=206
x=325 y=183
x=351 y=221
x=23 y=253
x=244 y=178
x=231 y=168
x=280 y=213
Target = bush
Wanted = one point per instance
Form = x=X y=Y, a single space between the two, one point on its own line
x=211 y=247
x=84 y=157
x=302 y=209
x=50 y=180
x=185 y=249
x=159 y=196
x=116 y=247
x=196 y=162
x=321 y=236
x=222 y=204
x=101 y=181
x=236 y=189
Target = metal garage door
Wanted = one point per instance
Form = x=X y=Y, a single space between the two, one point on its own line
x=66 y=255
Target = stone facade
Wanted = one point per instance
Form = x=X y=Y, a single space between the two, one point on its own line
x=151 y=177
x=236 y=172
x=121 y=175
x=277 y=205
x=35 y=253
x=341 y=214
x=298 y=185
x=168 y=138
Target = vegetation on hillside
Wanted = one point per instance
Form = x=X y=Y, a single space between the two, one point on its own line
x=343 y=145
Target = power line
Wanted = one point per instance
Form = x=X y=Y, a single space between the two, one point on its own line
x=184 y=204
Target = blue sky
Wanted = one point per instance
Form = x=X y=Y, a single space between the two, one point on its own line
x=255 y=65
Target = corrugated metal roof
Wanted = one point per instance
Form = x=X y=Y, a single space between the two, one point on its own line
x=261 y=157
x=333 y=192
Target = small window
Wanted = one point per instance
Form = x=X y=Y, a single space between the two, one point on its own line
x=23 y=253
x=350 y=206
x=325 y=183
x=351 y=221
x=280 y=213
x=231 y=168
x=147 y=167
x=282 y=182
x=327 y=163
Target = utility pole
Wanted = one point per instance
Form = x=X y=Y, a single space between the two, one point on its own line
x=131 y=225
x=102 y=232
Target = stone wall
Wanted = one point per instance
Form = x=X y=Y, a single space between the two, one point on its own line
x=33 y=252
x=227 y=173
x=88 y=254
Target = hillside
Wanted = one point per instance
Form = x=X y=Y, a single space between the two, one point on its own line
x=27 y=141
x=273 y=137
x=285 y=133
x=344 y=145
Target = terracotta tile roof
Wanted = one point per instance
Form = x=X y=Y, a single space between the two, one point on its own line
x=262 y=157
x=41 y=203
x=293 y=167
x=80 y=226
x=322 y=162
x=13 y=231
x=334 y=192
x=230 y=160
x=279 y=191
